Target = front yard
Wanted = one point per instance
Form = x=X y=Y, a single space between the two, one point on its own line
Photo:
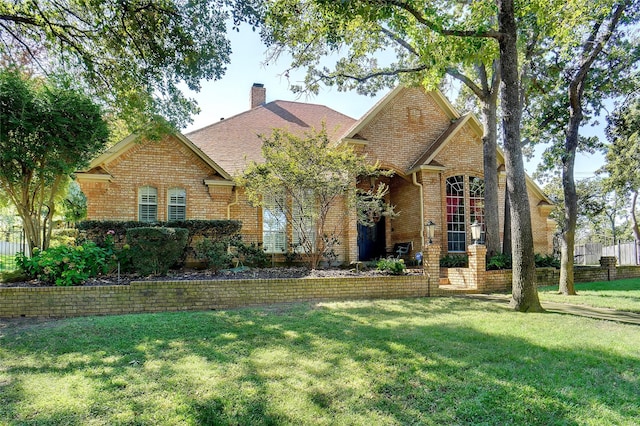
x=623 y=295
x=417 y=361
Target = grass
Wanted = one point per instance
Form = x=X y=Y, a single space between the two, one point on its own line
x=421 y=361
x=623 y=295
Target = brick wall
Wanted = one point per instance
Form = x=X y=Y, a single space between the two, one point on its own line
x=501 y=280
x=163 y=296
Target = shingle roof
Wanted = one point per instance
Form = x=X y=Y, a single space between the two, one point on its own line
x=233 y=143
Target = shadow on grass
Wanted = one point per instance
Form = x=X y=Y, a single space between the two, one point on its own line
x=414 y=361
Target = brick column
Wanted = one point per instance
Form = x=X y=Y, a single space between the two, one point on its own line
x=478 y=265
x=431 y=266
x=609 y=263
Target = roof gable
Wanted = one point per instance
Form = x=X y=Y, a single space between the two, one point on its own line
x=99 y=163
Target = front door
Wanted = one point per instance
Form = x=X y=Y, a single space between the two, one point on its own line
x=371 y=241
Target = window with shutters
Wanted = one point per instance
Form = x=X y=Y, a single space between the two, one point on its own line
x=177 y=208
x=147 y=204
x=274 y=224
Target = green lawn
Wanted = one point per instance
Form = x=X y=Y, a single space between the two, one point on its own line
x=623 y=295
x=423 y=361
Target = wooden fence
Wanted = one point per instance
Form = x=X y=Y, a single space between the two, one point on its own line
x=627 y=253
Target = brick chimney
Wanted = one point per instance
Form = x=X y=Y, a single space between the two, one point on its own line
x=258 y=95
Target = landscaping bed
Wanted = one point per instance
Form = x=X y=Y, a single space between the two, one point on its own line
x=230 y=274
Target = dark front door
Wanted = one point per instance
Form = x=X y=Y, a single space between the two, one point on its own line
x=371 y=243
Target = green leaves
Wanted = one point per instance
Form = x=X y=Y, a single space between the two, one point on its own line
x=46 y=133
x=133 y=54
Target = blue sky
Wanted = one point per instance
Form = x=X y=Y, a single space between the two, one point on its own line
x=230 y=95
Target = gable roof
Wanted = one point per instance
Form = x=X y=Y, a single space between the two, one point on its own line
x=97 y=164
x=234 y=142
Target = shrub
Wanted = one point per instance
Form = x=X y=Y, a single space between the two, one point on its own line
x=96 y=230
x=547 y=261
x=499 y=261
x=454 y=261
x=66 y=265
x=392 y=266
x=252 y=255
x=503 y=261
x=155 y=250
x=220 y=253
x=215 y=253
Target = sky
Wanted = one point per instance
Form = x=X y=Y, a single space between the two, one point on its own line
x=230 y=95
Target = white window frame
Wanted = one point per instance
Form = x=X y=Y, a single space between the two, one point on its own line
x=147 y=204
x=176 y=204
x=274 y=223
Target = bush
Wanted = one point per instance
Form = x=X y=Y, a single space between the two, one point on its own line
x=547 y=261
x=392 y=266
x=454 y=261
x=155 y=250
x=96 y=230
x=215 y=253
x=503 y=261
x=499 y=261
x=252 y=255
x=66 y=265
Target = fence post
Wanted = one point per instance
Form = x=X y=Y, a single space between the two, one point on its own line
x=609 y=263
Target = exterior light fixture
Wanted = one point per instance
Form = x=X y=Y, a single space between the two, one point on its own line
x=476 y=229
x=430 y=227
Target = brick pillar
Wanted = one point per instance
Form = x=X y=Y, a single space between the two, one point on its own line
x=609 y=263
x=431 y=266
x=478 y=265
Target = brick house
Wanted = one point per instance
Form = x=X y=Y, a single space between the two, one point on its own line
x=434 y=152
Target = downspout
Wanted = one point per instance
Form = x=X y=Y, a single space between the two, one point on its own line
x=235 y=189
x=419 y=185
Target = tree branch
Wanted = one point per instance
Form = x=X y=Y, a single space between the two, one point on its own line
x=402 y=4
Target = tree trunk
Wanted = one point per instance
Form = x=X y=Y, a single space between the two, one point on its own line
x=506 y=238
x=634 y=218
x=567 y=244
x=490 y=148
x=524 y=291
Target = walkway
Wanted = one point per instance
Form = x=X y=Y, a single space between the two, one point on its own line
x=567 y=309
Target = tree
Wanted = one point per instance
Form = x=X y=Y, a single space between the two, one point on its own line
x=430 y=37
x=133 y=54
x=600 y=208
x=623 y=155
x=422 y=57
x=46 y=133
x=313 y=186
x=584 y=64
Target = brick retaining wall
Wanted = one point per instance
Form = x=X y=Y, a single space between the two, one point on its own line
x=162 y=296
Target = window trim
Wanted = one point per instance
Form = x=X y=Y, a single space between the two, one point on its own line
x=145 y=193
x=176 y=205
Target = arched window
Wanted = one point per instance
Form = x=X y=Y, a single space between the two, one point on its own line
x=456 y=234
x=177 y=207
x=147 y=204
